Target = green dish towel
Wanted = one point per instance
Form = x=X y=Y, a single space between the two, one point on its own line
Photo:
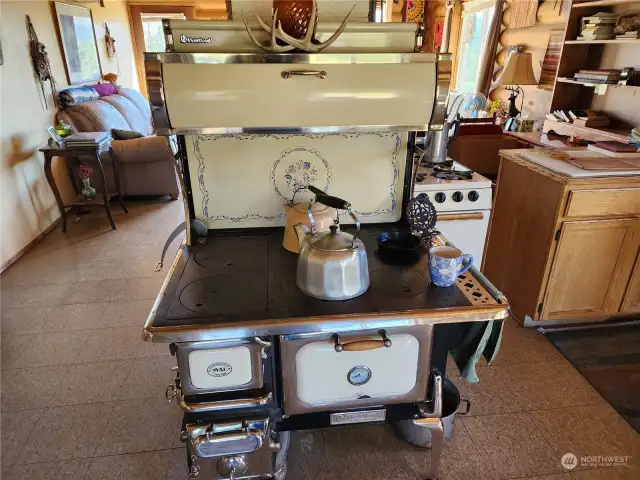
x=480 y=338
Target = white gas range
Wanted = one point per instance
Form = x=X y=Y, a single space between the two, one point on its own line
x=462 y=199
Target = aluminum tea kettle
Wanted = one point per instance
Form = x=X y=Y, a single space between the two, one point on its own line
x=439 y=141
x=332 y=265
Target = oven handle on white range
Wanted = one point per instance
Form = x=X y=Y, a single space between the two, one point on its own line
x=225 y=404
x=360 y=345
x=460 y=216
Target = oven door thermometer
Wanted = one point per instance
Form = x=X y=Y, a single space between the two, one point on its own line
x=359 y=375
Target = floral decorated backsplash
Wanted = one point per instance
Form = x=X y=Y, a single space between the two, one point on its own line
x=243 y=181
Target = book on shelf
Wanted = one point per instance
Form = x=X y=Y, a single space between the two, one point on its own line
x=601 y=17
x=600 y=121
x=629 y=35
x=586 y=38
x=610 y=153
x=619 y=147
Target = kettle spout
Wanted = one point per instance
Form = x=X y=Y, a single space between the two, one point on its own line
x=301 y=232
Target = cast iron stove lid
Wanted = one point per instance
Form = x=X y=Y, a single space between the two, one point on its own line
x=225 y=294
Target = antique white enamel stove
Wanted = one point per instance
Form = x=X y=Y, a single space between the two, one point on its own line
x=256 y=357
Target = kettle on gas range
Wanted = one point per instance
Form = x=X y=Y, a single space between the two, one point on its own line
x=332 y=265
x=306 y=212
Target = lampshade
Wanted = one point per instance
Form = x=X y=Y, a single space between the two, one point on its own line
x=519 y=69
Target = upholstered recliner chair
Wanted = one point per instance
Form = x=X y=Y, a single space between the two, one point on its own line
x=146 y=163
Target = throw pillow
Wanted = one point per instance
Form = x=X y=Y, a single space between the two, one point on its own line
x=104 y=89
x=124 y=134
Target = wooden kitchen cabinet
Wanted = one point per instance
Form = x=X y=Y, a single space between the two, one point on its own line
x=564 y=248
x=591 y=268
x=631 y=302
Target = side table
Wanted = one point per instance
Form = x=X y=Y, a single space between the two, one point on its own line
x=74 y=153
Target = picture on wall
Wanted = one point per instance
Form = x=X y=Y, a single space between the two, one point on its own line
x=75 y=26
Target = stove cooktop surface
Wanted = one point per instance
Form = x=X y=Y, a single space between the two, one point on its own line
x=250 y=276
x=450 y=175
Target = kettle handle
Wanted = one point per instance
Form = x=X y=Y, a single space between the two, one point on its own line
x=357 y=222
x=456 y=130
x=334 y=202
x=314 y=230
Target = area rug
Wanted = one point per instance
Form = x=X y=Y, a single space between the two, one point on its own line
x=609 y=358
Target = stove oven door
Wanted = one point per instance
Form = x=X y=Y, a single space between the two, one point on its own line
x=221 y=366
x=324 y=372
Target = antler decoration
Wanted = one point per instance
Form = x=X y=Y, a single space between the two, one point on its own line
x=305 y=44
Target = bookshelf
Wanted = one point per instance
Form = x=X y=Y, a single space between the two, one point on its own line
x=595 y=42
x=616 y=101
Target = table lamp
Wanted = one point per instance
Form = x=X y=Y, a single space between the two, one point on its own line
x=518 y=71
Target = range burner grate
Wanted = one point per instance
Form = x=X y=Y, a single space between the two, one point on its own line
x=445 y=164
x=452 y=174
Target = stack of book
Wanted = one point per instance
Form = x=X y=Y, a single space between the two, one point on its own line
x=598 y=27
x=597 y=76
x=630 y=35
x=588 y=118
x=581 y=118
x=88 y=139
x=615 y=149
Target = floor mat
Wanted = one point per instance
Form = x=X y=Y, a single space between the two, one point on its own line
x=609 y=358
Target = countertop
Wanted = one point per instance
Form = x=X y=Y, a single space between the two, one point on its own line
x=560 y=167
x=542 y=140
x=243 y=284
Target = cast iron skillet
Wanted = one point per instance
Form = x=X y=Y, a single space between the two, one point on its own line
x=399 y=247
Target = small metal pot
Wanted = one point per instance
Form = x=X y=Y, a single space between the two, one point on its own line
x=332 y=265
x=451 y=406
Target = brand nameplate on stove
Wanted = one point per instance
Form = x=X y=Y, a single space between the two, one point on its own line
x=358 y=417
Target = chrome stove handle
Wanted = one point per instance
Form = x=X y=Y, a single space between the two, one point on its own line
x=225 y=404
x=172 y=389
x=304 y=73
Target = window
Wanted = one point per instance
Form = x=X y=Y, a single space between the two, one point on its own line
x=152 y=29
x=477 y=17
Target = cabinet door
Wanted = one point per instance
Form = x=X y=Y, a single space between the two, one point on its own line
x=591 y=269
x=631 y=303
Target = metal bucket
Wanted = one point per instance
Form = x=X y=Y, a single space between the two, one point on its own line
x=451 y=403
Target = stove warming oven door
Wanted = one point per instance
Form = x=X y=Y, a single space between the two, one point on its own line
x=331 y=371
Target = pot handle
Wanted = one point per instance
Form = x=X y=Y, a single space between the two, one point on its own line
x=468 y=406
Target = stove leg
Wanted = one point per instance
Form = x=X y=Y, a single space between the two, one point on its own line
x=192 y=465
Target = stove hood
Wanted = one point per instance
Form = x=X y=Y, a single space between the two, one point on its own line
x=200 y=92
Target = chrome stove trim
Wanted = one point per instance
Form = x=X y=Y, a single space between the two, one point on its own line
x=162 y=124
x=334 y=324
x=155 y=89
x=183 y=350
x=443 y=82
x=224 y=404
x=293 y=58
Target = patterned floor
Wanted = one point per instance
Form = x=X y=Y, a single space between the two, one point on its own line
x=82 y=395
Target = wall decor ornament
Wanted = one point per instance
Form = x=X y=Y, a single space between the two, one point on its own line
x=40 y=61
